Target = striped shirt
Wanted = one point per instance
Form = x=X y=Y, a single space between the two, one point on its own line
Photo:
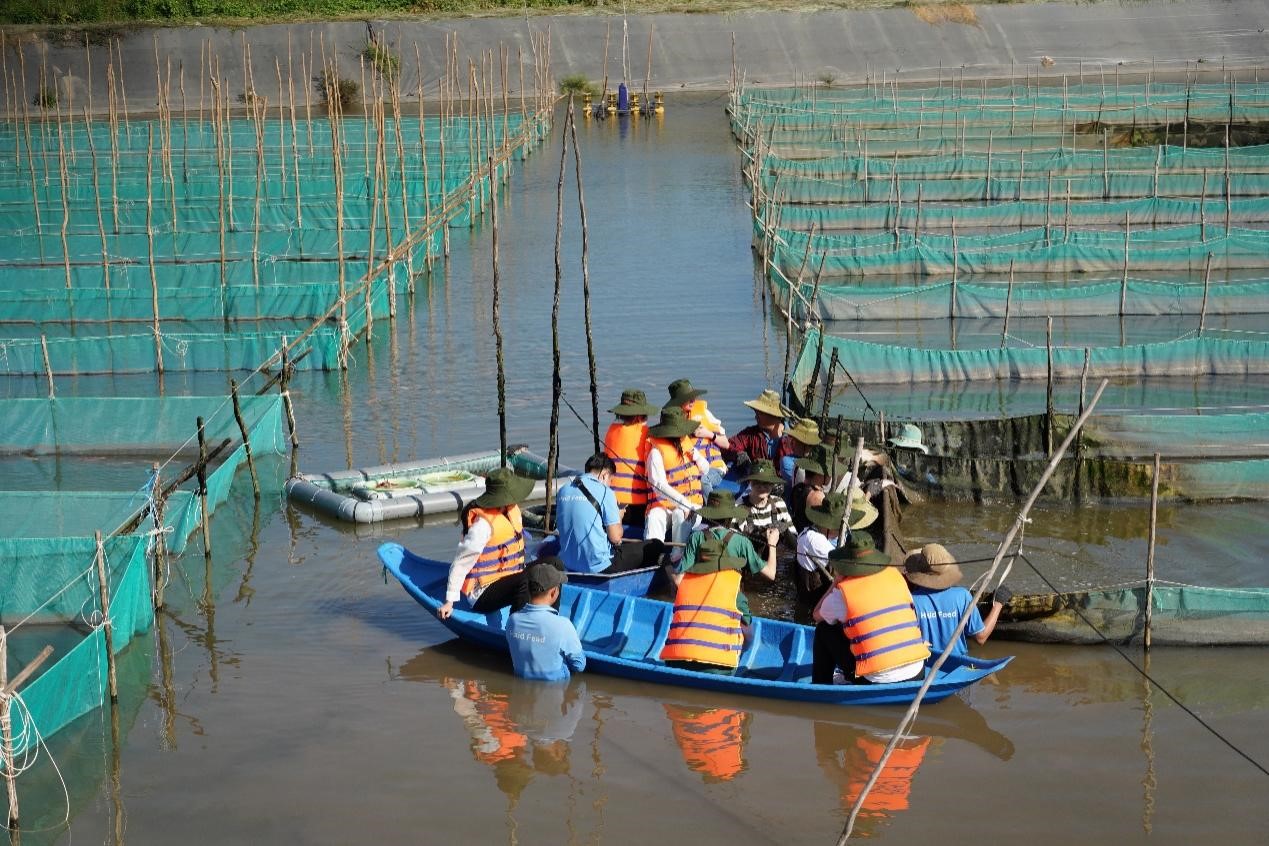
x=774 y=514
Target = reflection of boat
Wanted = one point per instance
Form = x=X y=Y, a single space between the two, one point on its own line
x=712 y=740
x=622 y=636
x=848 y=757
x=414 y=488
x=1183 y=615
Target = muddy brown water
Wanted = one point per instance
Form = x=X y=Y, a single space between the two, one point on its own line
x=315 y=703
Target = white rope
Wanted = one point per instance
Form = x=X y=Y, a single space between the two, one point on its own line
x=30 y=755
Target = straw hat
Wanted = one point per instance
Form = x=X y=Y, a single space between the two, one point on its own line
x=859 y=557
x=721 y=505
x=712 y=557
x=768 y=402
x=502 y=488
x=673 y=424
x=805 y=431
x=763 y=470
x=862 y=512
x=682 y=392
x=634 y=403
x=932 y=566
x=909 y=437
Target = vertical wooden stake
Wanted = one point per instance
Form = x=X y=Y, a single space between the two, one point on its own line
x=1123 y=283
x=956 y=263
x=590 y=338
x=160 y=540
x=1154 y=525
x=1084 y=378
x=202 y=491
x=149 y=234
x=1004 y=332
x=553 y=431
x=106 y=626
x=48 y=367
x=1207 y=280
x=497 y=327
x=246 y=438
x=6 y=733
x=284 y=388
x=1048 y=388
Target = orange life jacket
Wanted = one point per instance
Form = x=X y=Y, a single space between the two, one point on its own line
x=712 y=740
x=503 y=553
x=881 y=622
x=893 y=786
x=680 y=471
x=699 y=412
x=627 y=445
x=706 y=622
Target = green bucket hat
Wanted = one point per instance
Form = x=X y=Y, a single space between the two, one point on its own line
x=822 y=461
x=682 y=392
x=634 y=403
x=502 y=488
x=909 y=437
x=712 y=557
x=673 y=424
x=763 y=470
x=721 y=505
x=805 y=431
x=859 y=557
x=829 y=513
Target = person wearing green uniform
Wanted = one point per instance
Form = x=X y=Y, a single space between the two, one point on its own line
x=720 y=513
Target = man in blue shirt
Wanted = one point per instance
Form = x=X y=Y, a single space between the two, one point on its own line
x=589 y=525
x=543 y=645
x=932 y=573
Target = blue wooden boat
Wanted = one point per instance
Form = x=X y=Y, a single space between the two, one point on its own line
x=629 y=583
x=622 y=636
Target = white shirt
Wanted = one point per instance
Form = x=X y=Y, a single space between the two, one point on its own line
x=654 y=469
x=833 y=610
x=813 y=548
x=469 y=548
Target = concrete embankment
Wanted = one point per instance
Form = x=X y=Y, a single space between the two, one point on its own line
x=695 y=51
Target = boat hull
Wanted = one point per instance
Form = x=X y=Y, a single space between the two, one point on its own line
x=622 y=635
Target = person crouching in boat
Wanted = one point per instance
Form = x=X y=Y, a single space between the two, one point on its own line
x=706 y=633
x=710 y=436
x=766 y=510
x=488 y=569
x=933 y=573
x=821 y=536
x=626 y=443
x=674 y=478
x=589 y=525
x=866 y=624
x=544 y=646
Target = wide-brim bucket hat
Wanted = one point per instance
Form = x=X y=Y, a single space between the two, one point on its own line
x=768 y=402
x=503 y=488
x=933 y=567
x=859 y=557
x=862 y=512
x=763 y=470
x=805 y=431
x=682 y=392
x=634 y=403
x=909 y=437
x=720 y=506
x=673 y=424
x=711 y=557
x=822 y=461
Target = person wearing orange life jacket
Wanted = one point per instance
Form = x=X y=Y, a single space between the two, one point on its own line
x=674 y=478
x=848 y=757
x=710 y=436
x=488 y=569
x=866 y=622
x=721 y=517
x=626 y=443
x=706 y=633
x=712 y=740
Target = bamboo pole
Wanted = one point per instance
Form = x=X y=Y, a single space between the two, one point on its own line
x=1004 y=332
x=284 y=389
x=259 y=110
x=246 y=437
x=65 y=183
x=101 y=224
x=497 y=327
x=956 y=263
x=202 y=491
x=1203 y=209
x=160 y=541
x=590 y=338
x=1048 y=385
x=149 y=235
x=427 y=189
x=1207 y=280
x=1154 y=525
x=553 y=433
x=1123 y=283
x=931 y=674
x=7 y=689
x=107 y=626
x=48 y=367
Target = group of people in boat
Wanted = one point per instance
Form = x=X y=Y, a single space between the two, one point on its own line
x=878 y=616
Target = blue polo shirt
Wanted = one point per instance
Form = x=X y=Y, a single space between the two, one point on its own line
x=584 y=546
x=938 y=612
x=544 y=646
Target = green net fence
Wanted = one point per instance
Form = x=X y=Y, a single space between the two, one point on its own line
x=48 y=577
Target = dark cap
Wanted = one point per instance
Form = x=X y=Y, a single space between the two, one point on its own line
x=544 y=574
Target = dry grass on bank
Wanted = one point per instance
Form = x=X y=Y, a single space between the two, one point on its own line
x=941 y=13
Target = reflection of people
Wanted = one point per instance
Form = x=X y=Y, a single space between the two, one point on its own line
x=544 y=646
x=866 y=624
x=712 y=740
x=589 y=525
x=492 y=547
x=933 y=573
x=848 y=757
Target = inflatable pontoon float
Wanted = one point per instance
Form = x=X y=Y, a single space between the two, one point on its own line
x=415 y=488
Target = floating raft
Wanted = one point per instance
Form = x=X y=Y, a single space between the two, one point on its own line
x=1183 y=615
x=415 y=488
